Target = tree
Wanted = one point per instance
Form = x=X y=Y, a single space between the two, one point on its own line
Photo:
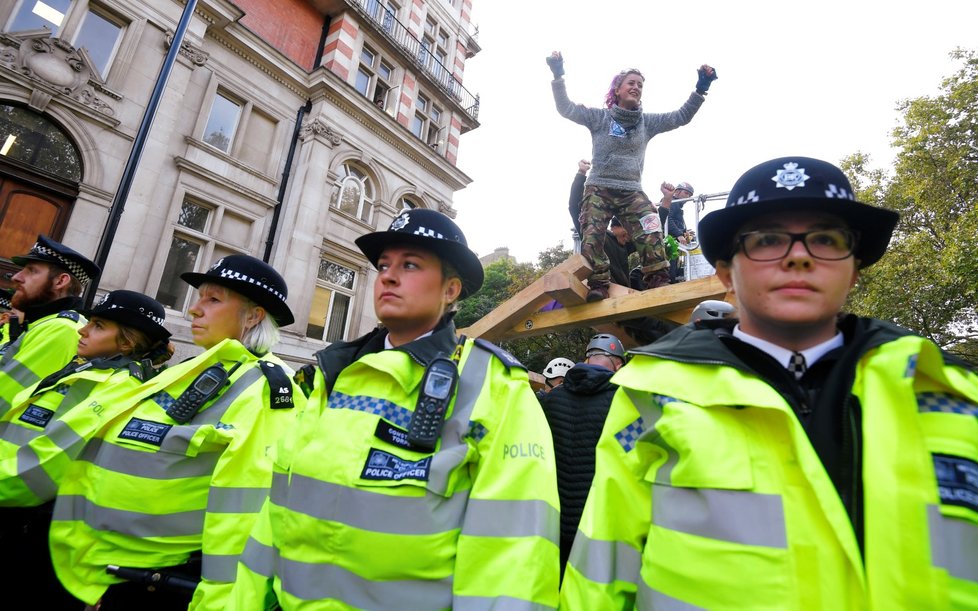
x=928 y=280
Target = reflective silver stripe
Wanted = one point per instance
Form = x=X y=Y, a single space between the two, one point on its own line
x=76 y=393
x=154 y=465
x=736 y=516
x=235 y=500
x=259 y=558
x=21 y=374
x=453 y=447
x=29 y=462
x=605 y=561
x=36 y=479
x=497 y=518
x=647 y=598
x=360 y=508
x=4 y=406
x=326 y=581
x=219 y=568
x=18 y=435
x=474 y=603
x=132 y=523
x=954 y=544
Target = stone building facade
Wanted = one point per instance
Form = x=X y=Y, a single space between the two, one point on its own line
x=287 y=129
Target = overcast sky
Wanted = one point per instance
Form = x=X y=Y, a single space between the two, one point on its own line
x=819 y=79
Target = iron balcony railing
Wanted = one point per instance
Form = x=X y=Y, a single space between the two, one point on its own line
x=420 y=52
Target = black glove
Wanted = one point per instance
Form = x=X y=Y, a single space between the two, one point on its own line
x=556 y=66
x=704 y=80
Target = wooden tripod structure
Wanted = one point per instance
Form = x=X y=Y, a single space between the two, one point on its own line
x=520 y=315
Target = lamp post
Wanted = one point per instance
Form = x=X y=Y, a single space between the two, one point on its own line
x=119 y=201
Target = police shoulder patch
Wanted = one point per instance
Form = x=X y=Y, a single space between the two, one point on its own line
x=508 y=359
x=69 y=314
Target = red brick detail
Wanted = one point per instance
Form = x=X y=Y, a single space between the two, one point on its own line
x=293 y=27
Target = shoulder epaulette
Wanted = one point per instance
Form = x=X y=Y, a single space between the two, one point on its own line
x=508 y=359
x=279 y=385
x=69 y=314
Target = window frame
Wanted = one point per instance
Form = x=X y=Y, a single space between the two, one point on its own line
x=350 y=171
x=335 y=290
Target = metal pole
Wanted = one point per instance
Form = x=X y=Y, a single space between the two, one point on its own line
x=119 y=201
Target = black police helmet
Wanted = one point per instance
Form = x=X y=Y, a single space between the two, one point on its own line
x=794 y=184
x=432 y=231
x=252 y=278
x=132 y=309
x=46 y=250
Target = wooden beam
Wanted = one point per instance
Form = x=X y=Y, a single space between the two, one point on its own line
x=559 y=280
x=675 y=299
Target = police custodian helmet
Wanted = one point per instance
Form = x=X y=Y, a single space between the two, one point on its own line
x=793 y=184
x=432 y=231
x=252 y=278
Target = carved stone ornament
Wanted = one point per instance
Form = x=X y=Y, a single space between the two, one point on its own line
x=318 y=128
x=194 y=54
x=58 y=66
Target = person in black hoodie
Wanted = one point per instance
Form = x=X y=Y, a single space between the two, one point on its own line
x=576 y=411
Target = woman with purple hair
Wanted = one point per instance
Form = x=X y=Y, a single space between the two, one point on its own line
x=620 y=133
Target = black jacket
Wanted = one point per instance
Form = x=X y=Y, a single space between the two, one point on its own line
x=576 y=412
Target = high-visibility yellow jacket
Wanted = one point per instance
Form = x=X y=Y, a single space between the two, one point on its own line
x=359 y=519
x=50 y=422
x=708 y=493
x=43 y=347
x=147 y=492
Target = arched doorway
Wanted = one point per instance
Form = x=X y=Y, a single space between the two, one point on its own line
x=40 y=169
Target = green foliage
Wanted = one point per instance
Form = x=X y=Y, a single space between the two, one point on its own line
x=928 y=280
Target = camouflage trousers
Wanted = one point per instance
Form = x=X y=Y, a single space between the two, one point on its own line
x=639 y=218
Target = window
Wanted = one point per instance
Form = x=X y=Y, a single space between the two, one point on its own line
x=31 y=138
x=374 y=78
x=185 y=249
x=407 y=203
x=329 y=316
x=440 y=68
x=420 y=122
x=434 y=127
x=222 y=122
x=354 y=192
x=84 y=24
x=201 y=231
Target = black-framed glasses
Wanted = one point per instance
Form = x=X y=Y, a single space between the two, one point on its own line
x=827 y=244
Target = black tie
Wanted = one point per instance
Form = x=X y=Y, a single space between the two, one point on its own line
x=797 y=365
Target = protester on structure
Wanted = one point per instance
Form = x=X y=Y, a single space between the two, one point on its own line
x=671 y=215
x=121 y=346
x=619 y=135
x=710 y=309
x=575 y=412
x=577 y=195
x=796 y=458
x=48 y=292
x=431 y=449
x=553 y=374
x=166 y=491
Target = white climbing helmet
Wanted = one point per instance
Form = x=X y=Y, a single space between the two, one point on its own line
x=712 y=308
x=557 y=368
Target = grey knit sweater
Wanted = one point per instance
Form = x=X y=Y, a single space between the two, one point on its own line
x=619 y=137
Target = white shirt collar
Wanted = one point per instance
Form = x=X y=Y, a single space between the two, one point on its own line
x=387 y=339
x=783 y=355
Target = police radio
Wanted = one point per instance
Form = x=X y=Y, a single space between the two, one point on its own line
x=205 y=387
x=437 y=389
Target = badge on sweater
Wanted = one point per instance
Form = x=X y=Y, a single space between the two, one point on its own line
x=617 y=130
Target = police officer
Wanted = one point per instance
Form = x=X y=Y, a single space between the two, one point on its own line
x=576 y=411
x=422 y=476
x=121 y=346
x=165 y=492
x=48 y=292
x=795 y=457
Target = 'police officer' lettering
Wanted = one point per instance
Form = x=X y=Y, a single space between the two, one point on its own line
x=957 y=480
x=385 y=466
x=146 y=431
